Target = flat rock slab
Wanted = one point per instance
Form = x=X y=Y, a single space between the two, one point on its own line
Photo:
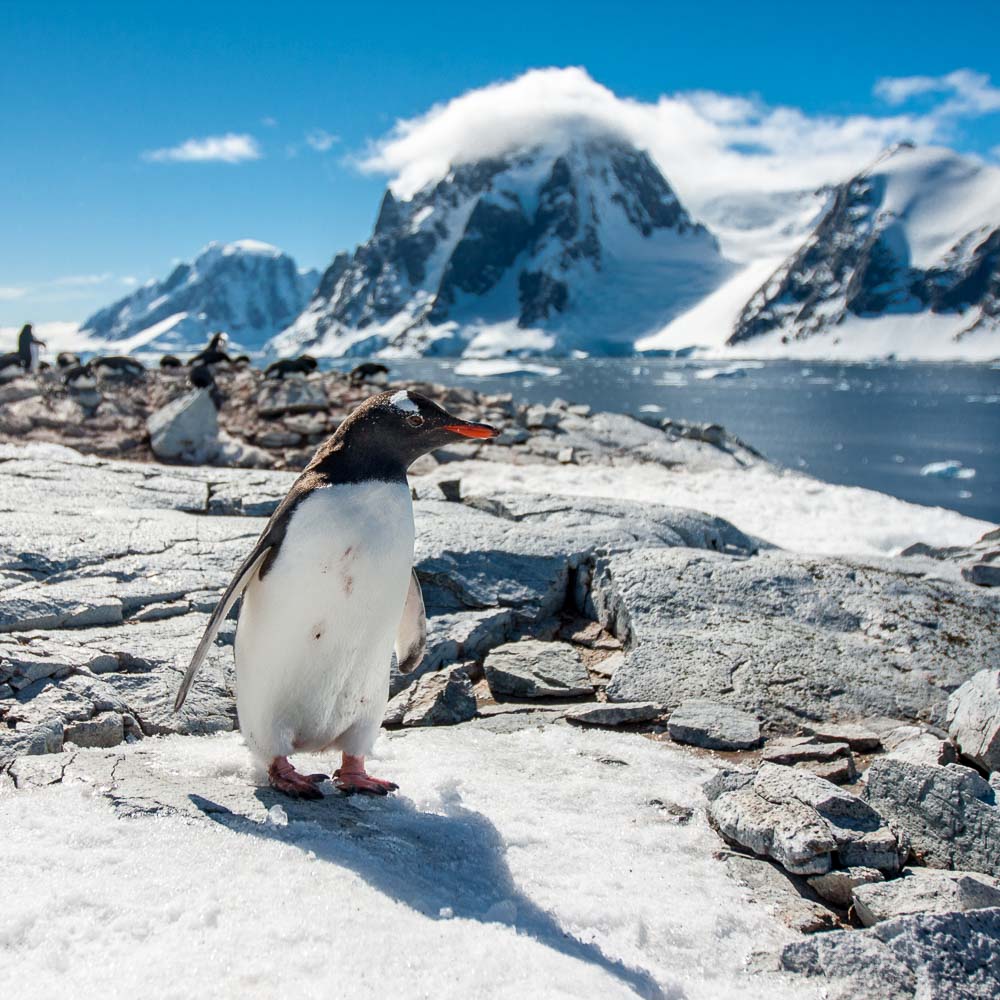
x=533 y=669
x=615 y=713
x=928 y=956
x=858 y=737
x=797 y=749
x=791 y=637
x=708 y=724
x=924 y=890
x=801 y=821
x=974 y=719
x=949 y=813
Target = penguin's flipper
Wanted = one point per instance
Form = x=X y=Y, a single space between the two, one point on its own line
x=411 y=636
x=236 y=587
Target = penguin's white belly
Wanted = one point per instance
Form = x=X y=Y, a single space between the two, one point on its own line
x=315 y=637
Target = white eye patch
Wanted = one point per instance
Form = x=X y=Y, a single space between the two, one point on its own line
x=402 y=401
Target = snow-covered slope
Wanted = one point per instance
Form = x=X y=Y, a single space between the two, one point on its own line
x=906 y=260
x=247 y=288
x=584 y=248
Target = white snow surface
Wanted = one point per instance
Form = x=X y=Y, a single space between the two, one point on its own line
x=782 y=506
x=507 y=866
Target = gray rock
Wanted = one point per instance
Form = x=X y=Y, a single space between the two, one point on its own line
x=776 y=891
x=916 y=745
x=837 y=887
x=615 y=713
x=103 y=730
x=708 y=724
x=278 y=397
x=538 y=416
x=278 y=438
x=186 y=430
x=924 y=890
x=532 y=669
x=949 y=813
x=797 y=749
x=801 y=821
x=788 y=637
x=974 y=719
x=857 y=736
x=983 y=574
x=443 y=698
x=946 y=956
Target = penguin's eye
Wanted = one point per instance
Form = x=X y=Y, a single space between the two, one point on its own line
x=415 y=421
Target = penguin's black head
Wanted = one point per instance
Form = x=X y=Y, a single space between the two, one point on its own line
x=392 y=430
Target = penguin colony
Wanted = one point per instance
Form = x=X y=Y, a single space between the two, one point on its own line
x=329 y=594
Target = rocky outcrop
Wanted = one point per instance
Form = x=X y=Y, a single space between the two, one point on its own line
x=949 y=813
x=974 y=719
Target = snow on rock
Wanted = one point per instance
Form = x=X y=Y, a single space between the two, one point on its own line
x=482 y=877
x=247 y=288
x=905 y=261
x=584 y=247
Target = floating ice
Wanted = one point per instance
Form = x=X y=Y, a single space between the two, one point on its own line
x=486 y=367
x=951 y=469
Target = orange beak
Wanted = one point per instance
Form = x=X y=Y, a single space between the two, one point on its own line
x=470 y=430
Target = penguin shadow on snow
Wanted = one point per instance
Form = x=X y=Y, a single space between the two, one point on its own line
x=441 y=865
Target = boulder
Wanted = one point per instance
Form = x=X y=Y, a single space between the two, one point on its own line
x=930 y=956
x=709 y=724
x=924 y=890
x=949 y=813
x=982 y=574
x=533 y=669
x=442 y=698
x=186 y=430
x=803 y=822
x=837 y=887
x=615 y=713
x=916 y=745
x=974 y=719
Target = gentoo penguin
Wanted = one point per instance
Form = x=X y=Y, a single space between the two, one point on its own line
x=115 y=365
x=370 y=370
x=329 y=592
x=305 y=364
x=213 y=354
x=201 y=377
x=168 y=361
x=80 y=378
x=25 y=358
x=66 y=359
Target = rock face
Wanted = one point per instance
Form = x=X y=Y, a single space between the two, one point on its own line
x=551 y=240
x=924 y=890
x=917 y=232
x=713 y=726
x=803 y=822
x=937 y=955
x=949 y=813
x=974 y=719
x=789 y=637
x=530 y=669
x=249 y=289
x=186 y=430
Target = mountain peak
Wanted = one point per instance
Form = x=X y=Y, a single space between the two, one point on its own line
x=582 y=243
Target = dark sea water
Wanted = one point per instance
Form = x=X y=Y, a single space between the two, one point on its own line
x=876 y=425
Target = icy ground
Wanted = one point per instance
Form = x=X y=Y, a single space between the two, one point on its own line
x=510 y=864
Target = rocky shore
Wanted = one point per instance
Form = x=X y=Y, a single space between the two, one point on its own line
x=842 y=712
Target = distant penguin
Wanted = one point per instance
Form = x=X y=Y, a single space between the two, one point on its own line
x=305 y=364
x=329 y=592
x=370 y=371
x=241 y=361
x=66 y=360
x=168 y=361
x=25 y=358
x=213 y=354
x=80 y=378
x=118 y=365
x=201 y=377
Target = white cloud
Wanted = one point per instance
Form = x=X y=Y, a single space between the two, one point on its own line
x=228 y=148
x=8 y=293
x=321 y=140
x=706 y=143
x=968 y=94
x=129 y=280
x=82 y=280
x=269 y=122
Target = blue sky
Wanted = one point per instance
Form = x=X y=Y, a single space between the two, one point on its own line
x=90 y=92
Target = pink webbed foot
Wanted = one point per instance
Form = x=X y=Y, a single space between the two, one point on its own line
x=283 y=777
x=351 y=777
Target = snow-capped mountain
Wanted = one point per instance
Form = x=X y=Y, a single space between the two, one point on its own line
x=247 y=288
x=905 y=260
x=584 y=248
